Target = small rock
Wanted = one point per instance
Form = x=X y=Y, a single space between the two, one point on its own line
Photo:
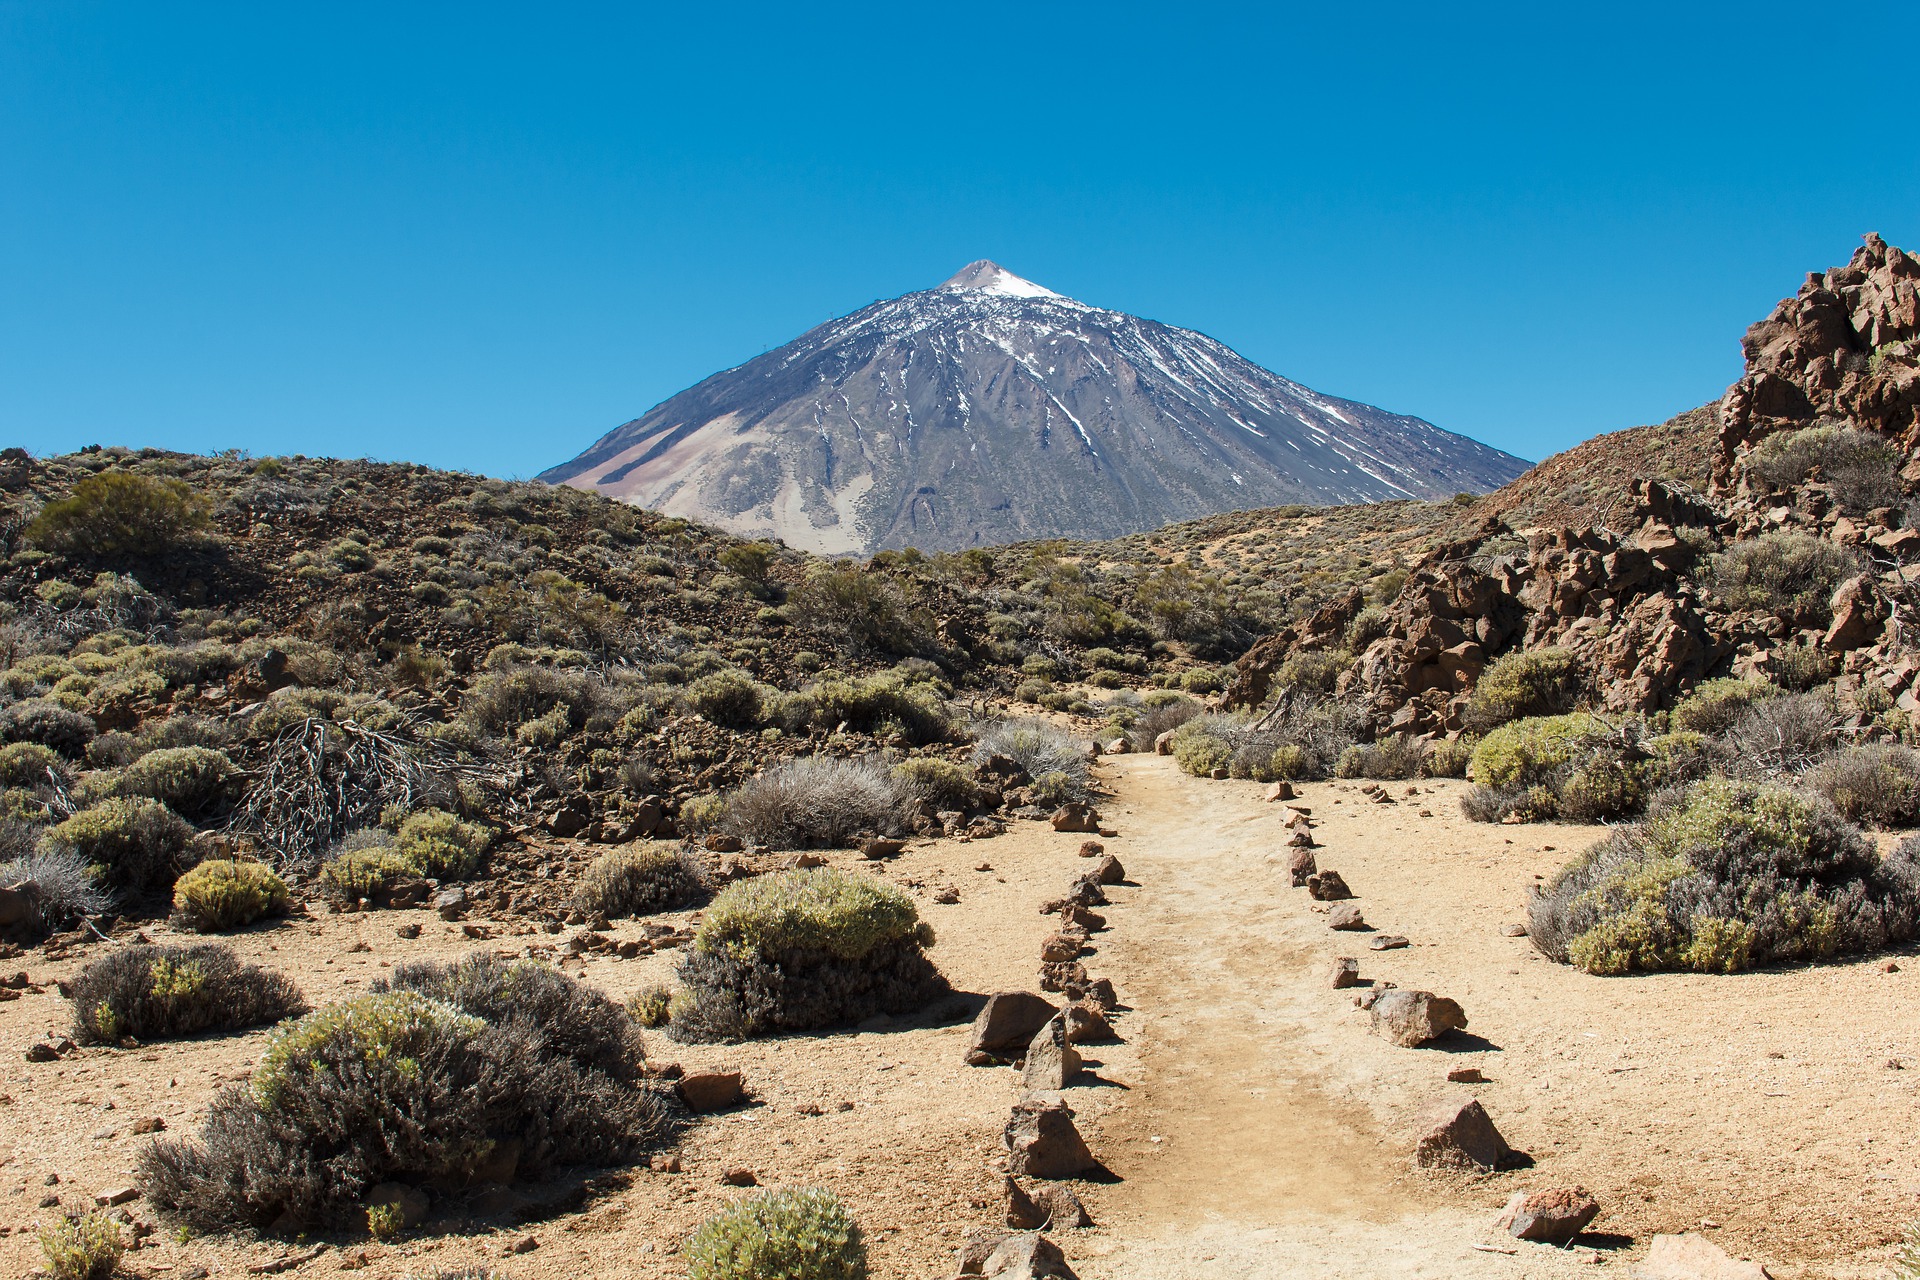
x=1052 y=1062
x=722 y=844
x=1043 y=1142
x=946 y=895
x=1022 y=1213
x=739 y=1177
x=525 y=1244
x=478 y=932
x=1327 y=886
x=1108 y=871
x=1101 y=992
x=1059 y=977
x=1689 y=1256
x=1387 y=942
x=875 y=849
x=1549 y=1217
x=1007 y=1023
x=450 y=903
x=1057 y=948
x=705 y=1091
x=1466 y=1075
x=977 y=1246
x=1074 y=816
x=151 y=1124
x=1026 y=1256
x=1342 y=972
x=1282 y=790
x=1458 y=1134
x=42 y=1051
x=1060 y=1208
x=1163 y=743
x=1092 y=849
x=664 y=1163
x=1346 y=916
x=806 y=861
x=410 y=930
x=1413 y=1018
x=1086 y=1023
x=116 y=1195
x=1300 y=867
x=1515 y=931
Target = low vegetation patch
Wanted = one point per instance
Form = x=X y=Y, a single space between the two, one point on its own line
x=1728 y=876
x=819 y=802
x=59 y=886
x=136 y=843
x=164 y=993
x=1540 y=682
x=397 y=1084
x=1791 y=575
x=639 y=880
x=221 y=894
x=1576 y=767
x=85 y=1247
x=1058 y=768
x=794 y=1233
x=799 y=950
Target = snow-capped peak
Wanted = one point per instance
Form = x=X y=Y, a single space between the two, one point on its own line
x=990 y=277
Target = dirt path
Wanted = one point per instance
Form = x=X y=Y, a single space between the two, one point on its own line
x=1233 y=1160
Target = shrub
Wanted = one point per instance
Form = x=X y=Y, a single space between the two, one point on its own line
x=1789 y=574
x=119 y=513
x=860 y=611
x=1448 y=757
x=1783 y=735
x=28 y=764
x=884 y=704
x=1715 y=705
x=1203 y=680
x=799 y=950
x=62 y=890
x=1876 y=783
x=87 y=1247
x=1573 y=766
x=1203 y=744
x=1392 y=757
x=650 y=1006
x=639 y=880
x=1156 y=720
x=1862 y=467
x=1799 y=667
x=220 y=894
x=367 y=872
x=164 y=993
x=350 y=555
x=1543 y=682
x=1311 y=671
x=398 y=1085
x=941 y=783
x=1728 y=876
x=439 y=846
x=818 y=802
x=701 y=814
x=726 y=698
x=49 y=724
x=1042 y=751
x=502 y=700
x=575 y=1021
x=188 y=780
x=136 y=842
x=794 y=1233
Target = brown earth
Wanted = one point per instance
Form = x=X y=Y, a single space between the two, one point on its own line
x=1767 y=1103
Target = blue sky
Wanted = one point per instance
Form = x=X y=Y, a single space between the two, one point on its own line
x=479 y=235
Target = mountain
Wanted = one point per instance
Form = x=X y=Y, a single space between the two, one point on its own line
x=990 y=410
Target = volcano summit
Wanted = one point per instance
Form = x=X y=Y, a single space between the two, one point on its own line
x=991 y=410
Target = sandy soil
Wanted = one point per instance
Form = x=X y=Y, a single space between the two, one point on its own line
x=1252 y=1125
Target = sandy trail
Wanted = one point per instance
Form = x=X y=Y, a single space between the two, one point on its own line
x=1233 y=1160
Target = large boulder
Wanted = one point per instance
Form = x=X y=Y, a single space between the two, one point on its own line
x=1413 y=1018
x=1457 y=1133
x=1006 y=1024
x=1043 y=1142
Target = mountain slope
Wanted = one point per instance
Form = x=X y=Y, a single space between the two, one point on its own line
x=991 y=409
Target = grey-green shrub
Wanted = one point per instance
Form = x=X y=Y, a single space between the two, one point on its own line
x=189 y=780
x=1786 y=573
x=1862 y=467
x=221 y=894
x=1877 y=783
x=800 y=950
x=1727 y=876
x=1521 y=684
x=793 y=1233
x=819 y=802
x=136 y=842
x=638 y=880
x=164 y=993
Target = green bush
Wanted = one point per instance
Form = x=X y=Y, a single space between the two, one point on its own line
x=1448 y=757
x=48 y=723
x=117 y=514
x=799 y=950
x=1714 y=706
x=87 y=1247
x=864 y=612
x=367 y=873
x=164 y=993
x=639 y=880
x=942 y=783
x=1200 y=746
x=396 y=1085
x=439 y=846
x=727 y=698
x=1543 y=682
x=1574 y=767
x=794 y=1233
x=136 y=842
x=1799 y=667
x=351 y=555
x=189 y=780
x=28 y=764
x=883 y=704
x=1728 y=876
x=1786 y=573
x=220 y=894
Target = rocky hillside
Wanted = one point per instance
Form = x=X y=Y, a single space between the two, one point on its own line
x=991 y=410
x=1779 y=543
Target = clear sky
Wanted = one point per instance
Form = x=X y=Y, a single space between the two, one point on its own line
x=481 y=235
